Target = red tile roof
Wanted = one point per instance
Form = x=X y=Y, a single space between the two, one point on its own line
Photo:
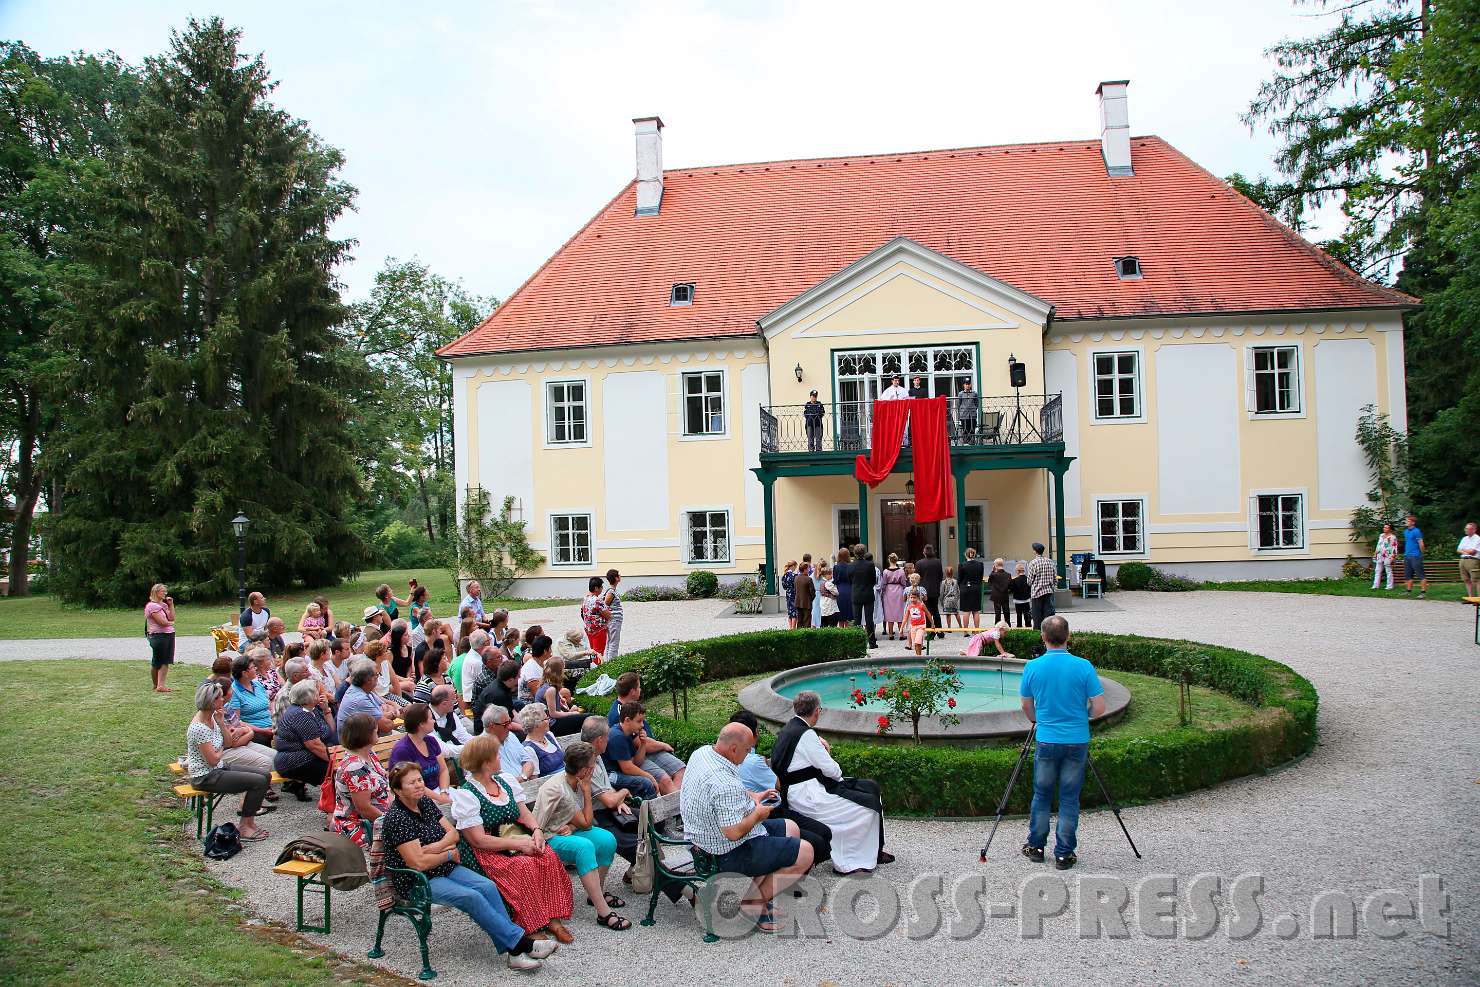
x=1044 y=218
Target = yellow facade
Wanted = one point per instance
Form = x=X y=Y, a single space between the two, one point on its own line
x=639 y=497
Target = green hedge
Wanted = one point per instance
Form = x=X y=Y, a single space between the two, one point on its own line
x=963 y=781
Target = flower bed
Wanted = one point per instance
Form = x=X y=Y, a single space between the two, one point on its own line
x=967 y=781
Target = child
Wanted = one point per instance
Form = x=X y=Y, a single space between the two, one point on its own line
x=829 y=597
x=950 y=599
x=510 y=643
x=311 y=626
x=1022 y=596
x=916 y=591
x=916 y=617
x=994 y=634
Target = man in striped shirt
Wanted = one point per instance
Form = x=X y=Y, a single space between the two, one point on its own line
x=1043 y=579
x=723 y=819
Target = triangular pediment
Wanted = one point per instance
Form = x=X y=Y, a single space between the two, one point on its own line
x=905 y=287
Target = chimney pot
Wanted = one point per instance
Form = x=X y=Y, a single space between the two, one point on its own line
x=1115 y=128
x=649 y=131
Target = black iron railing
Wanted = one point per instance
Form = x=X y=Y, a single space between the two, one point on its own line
x=847 y=426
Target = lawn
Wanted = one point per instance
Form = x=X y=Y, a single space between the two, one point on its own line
x=47 y=616
x=1336 y=587
x=1153 y=708
x=98 y=884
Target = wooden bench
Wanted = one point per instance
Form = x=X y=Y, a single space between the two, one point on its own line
x=694 y=871
x=1475 y=601
x=308 y=877
x=203 y=804
x=1437 y=570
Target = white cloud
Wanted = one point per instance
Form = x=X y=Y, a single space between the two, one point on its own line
x=481 y=136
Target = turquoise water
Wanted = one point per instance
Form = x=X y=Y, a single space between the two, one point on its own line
x=984 y=690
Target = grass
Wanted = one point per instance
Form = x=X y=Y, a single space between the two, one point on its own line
x=1337 y=587
x=97 y=883
x=46 y=616
x=1153 y=708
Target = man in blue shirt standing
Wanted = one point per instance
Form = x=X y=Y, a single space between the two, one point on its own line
x=1413 y=558
x=1060 y=693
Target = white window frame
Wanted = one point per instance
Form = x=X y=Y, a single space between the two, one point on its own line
x=837 y=525
x=985 y=552
x=1123 y=556
x=590 y=517
x=685 y=541
x=1304 y=547
x=724 y=403
x=550 y=441
x=1139 y=418
x=673 y=301
x=1251 y=388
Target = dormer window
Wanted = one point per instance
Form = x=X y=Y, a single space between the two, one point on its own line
x=1128 y=268
x=683 y=294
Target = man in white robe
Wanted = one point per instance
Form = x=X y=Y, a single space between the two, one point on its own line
x=811 y=784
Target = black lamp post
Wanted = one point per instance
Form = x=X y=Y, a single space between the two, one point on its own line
x=239 y=525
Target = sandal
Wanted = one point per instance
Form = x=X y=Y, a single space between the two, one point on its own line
x=766 y=921
x=261 y=834
x=612 y=901
x=614 y=921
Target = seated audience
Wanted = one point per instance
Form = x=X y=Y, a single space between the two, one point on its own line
x=499 y=689
x=532 y=671
x=416 y=837
x=473 y=666
x=254 y=618
x=221 y=667
x=502 y=841
x=725 y=821
x=572 y=649
x=756 y=775
x=378 y=652
x=433 y=663
x=812 y=784
x=249 y=699
x=360 y=697
x=312 y=624
x=294 y=671
x=361 y=791
x=448 y=725
x=303 y=737
x=276 y=643
x=377 y=618
x=204 y=744
x=340 y=651
x=516 y=761
x=267 y=674
x=399 y=653
x=241 y=748
x=623 y=755
x=537 y=737
x=658 y=759
x=565 y=718
x=325 y=611
x=420 y=748
x=320 y=669
x=564 y=812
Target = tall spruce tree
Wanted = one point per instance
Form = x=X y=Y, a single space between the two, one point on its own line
x=205 y=344
x=1381 y=113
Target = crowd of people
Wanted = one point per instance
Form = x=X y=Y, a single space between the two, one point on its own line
x=907 y=598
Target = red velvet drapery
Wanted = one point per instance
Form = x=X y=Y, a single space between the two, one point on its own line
x=930 y=445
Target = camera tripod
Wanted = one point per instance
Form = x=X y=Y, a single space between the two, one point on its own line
x=1012 y=781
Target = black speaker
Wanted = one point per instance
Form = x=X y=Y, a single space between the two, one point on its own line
x=1017 y=372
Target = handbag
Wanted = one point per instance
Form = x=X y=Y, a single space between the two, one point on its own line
x=223 y=842
x=643 y=870
x=326 y=789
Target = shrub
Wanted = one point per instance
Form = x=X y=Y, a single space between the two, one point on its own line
x=1353 y=568
x=739 y=589
x=654 y=594
x=1165 y=582
x=401 y=546
x=702 y=584
x=673 y=668
x=963 y=781
x=1134 y=575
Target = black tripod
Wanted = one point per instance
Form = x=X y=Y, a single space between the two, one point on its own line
x=1012 y=781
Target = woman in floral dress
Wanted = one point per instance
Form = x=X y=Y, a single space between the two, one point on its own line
x=789 y=587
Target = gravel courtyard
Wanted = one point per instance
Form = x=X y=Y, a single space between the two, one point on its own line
x=1390 y=794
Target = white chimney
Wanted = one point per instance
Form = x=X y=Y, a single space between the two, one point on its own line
x=649 y=165
x=1115 y=127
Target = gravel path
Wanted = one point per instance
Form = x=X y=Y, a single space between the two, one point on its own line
x=1389 y=795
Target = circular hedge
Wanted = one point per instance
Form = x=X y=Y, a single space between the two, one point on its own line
x=968 y=781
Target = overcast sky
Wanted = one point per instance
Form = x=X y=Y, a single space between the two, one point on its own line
x=481 y=135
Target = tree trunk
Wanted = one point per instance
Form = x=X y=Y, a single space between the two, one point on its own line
x=426 y=503
x=27 y=490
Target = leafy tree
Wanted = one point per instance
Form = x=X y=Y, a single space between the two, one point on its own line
x=1386 y=452
x=58 y=127
x=673 y=668
x=491 y=548
x=1381 y=113
x=410 y=314
x=204 y=325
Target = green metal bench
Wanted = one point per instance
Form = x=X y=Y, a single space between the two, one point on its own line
x=694 y=873
x=417 y=909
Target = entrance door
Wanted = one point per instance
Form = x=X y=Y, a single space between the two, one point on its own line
x=902 y=535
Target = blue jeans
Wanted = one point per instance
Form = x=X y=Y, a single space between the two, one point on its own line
x=636 y=784
x=472 y=893
x=1058 y=766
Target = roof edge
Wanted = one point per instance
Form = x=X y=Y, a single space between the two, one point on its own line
x=749 y=334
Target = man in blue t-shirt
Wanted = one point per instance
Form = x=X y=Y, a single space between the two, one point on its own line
x=1061 y=693
x=1413 y=558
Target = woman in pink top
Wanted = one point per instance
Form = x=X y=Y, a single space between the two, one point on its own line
x=159 y=627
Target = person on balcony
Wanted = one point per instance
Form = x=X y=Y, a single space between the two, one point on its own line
x=968 y=405
x=812 y=413
x=918 y=388
x=895 y=391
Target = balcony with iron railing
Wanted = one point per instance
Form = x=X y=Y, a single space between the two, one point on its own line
x=1000 y=421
